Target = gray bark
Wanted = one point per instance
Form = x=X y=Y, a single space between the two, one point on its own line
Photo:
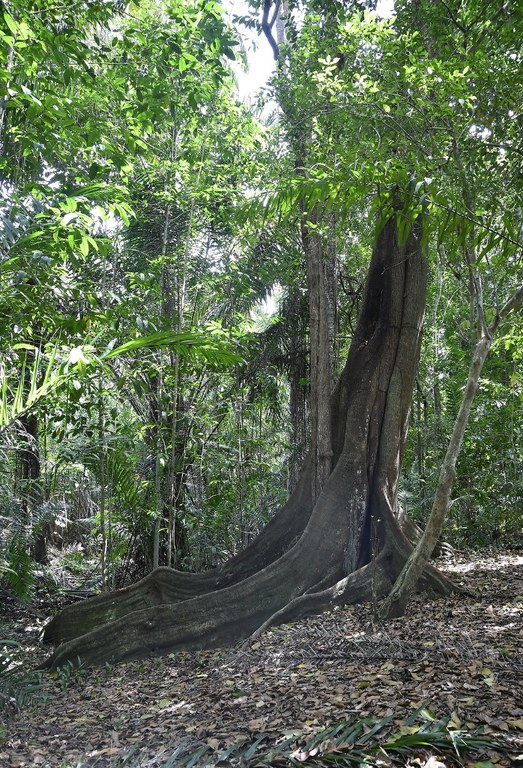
x=320 y=353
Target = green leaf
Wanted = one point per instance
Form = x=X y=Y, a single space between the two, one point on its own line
x=84 y=246
x=186 y=344
x=69 y=217
x=11 y=23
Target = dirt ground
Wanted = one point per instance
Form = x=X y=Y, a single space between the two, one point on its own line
x=458 y=658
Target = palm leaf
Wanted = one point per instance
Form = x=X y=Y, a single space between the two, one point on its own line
x=191 y=345
x=16 y=399
x=346 y=743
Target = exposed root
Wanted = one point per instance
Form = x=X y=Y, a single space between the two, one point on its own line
x=368 y=584
x=165 y=586
x=362 y=586
x=161 y=586
x=436 y=580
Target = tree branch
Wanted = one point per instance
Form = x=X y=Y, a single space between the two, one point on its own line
x=268 y=25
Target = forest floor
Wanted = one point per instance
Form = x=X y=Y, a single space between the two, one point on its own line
x=458 y=658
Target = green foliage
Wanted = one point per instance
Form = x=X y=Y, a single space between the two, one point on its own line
x=145 y=213
x=96 y=106
x=487 y=494
x=17 y=568
x=19 y=686
x=45 y=381
x=191 y=345
x=347 y=743
x=69 y=673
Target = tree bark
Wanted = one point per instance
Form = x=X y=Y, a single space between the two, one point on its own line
x=294 y=314
x=322 y=553
x=320 y=353
x=31 y=494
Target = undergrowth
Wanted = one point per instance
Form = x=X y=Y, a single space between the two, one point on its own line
x=20 y=686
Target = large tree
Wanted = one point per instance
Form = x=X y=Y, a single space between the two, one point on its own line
x=347 y=546
x=343 y=542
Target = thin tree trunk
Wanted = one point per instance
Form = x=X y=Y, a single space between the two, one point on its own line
x=320 y=354
x=395 y=603
x=103 y=489
x=31 y=491
x=158 y=476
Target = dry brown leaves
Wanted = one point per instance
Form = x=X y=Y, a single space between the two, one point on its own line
x=458 y=657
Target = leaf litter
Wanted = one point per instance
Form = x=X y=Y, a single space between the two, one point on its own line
x=316 y=687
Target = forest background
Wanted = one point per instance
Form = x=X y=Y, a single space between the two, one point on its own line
x=183 y=276
x=152 y=411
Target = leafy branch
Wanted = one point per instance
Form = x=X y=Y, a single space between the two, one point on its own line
x=36 y=381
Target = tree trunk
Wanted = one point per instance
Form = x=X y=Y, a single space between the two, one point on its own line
x=294 y=313
x=31 y=494
x=309 y=556
x=320 y=353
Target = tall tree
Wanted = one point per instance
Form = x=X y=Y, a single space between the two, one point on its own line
x=370 y=410
x=345 y=545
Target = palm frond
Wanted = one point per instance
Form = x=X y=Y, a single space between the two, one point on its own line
x=347 y=743
x=191 y=345
x=36 y=380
